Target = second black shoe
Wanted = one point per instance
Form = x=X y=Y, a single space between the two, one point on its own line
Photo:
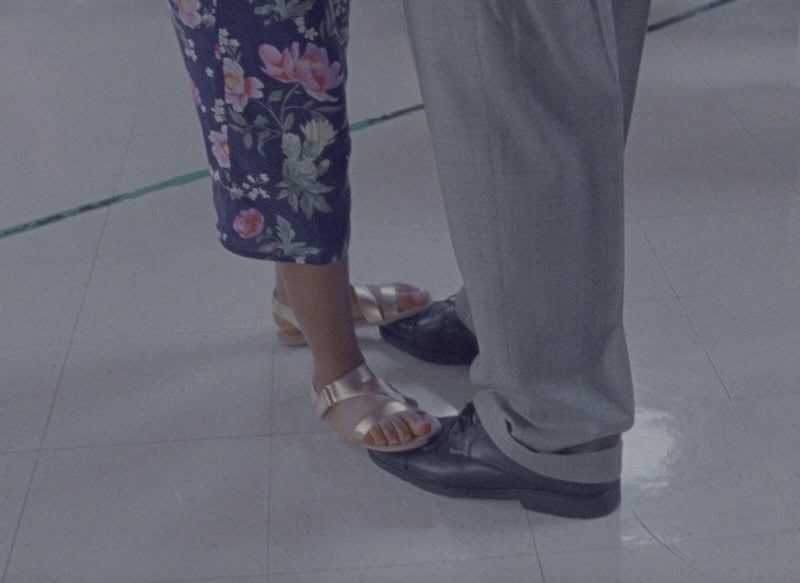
x=436 y=335
x=462 y=461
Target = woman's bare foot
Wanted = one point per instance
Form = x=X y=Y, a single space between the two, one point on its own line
x=393 y=429
x=319 y=297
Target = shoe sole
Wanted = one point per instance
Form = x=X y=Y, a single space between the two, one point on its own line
x=447 y=358
x=563 y=505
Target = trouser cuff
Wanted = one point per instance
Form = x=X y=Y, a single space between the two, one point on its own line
x=586 y=468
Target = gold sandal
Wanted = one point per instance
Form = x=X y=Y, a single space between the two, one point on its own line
x=362 y=381
x=377 y=311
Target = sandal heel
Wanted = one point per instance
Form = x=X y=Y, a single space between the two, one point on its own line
x=289 y=339
x=289 y=333
x=378 y=308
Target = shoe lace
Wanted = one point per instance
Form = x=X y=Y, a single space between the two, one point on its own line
x=467 y=417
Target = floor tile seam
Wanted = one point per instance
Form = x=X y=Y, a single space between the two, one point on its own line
x=21 y=79
x=776 y=289
x=122 y=267
x=720 y=213
x=673 y=551
x=532 y=531
x=232 y=578
x=155 y=442
x=4 y=452
x=765 y=397
x=137 y=111
x=763 y=147
x=649 y=300
x=49 y=415
x=675 y=539
x=115 y=190
x=764 y=534
x=753 y=139
x=166 y=25
x=649 y=544
x=405 y=564
x=795 y=517
x=699 y=338
x=100 y=340
x=32 y=345
x=6 y=267
x=638 y=224
x=767 y=153
x=19 y=518
x=270 y=455
x=26 y=71
x=731 y=398
x=145 y=338
x=703 y=576
x=679 y=297
x=763 y=457
x=204 y=249
x=757 y=454
x=68 y=351
x=110 y=265
x=671 y=403
x=268 y=505
x=123 y=159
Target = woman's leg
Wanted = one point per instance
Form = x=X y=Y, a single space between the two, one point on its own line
x=320 y=298
x=272 y=105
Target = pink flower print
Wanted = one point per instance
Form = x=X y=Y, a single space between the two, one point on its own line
x=313 y=70
x=238 y=89
x=189 y=12
x=217 y=52
x=316 y=73
x=220 y=148
x=195 y=93
x=249 y=224
x=280 y=65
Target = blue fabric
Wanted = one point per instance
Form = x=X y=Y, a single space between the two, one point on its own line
x=268 y=79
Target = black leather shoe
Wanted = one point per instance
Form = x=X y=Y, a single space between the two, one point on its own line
x=436 y=335
x=463 y=462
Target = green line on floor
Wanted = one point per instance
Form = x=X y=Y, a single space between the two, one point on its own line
x=687 y=15
x=166 y=184
x=201 y=174
x=84 y=208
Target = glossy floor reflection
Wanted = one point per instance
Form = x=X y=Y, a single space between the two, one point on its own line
x=151 y=430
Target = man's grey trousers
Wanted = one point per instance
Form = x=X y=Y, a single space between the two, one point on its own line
x=529 y=103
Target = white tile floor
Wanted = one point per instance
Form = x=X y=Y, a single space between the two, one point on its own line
x=151 y=431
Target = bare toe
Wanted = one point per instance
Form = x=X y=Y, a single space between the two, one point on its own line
x=412 y=298
x=390 y=432
x=377 y=436
x=402 y=429
x=420 y=424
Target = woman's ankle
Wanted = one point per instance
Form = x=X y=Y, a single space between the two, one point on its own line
x=326 y=372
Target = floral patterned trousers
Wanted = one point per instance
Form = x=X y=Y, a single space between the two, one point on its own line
x=268 y=78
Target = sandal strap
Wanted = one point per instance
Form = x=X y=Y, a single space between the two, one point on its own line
x=358 y=382
x=371 y=419
x=377 y=309
x=284 y=312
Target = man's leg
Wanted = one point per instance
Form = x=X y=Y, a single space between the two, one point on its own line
x=527 y=108
x=425 y=341
x=630 y=23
